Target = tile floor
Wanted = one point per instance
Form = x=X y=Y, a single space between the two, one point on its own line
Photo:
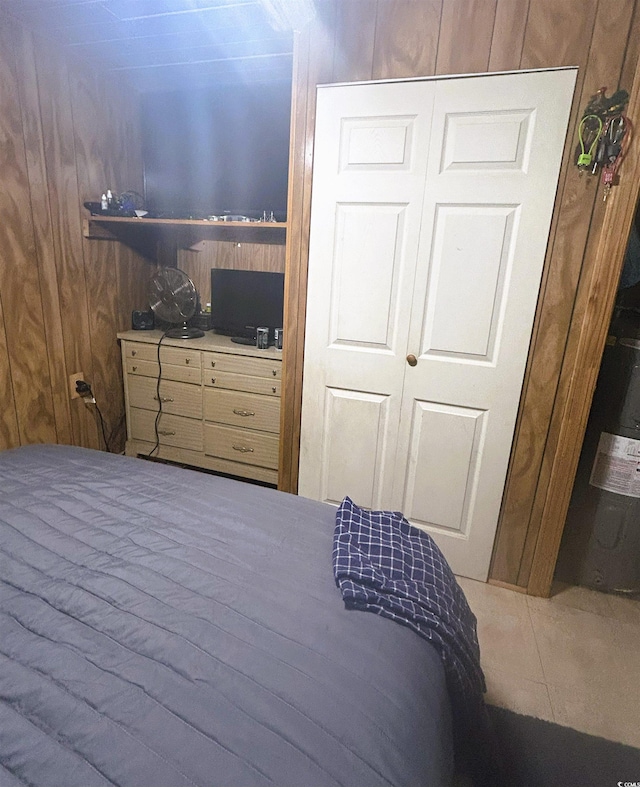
x=573 y=658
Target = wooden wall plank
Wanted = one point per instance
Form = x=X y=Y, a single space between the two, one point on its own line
x=102 y=154
x=197 y=265
x=406 y=38
x=41 y=217
x=466 y=30
x=97 y=153
x=60 y=161
x=507 y=40
x=132 y=271
x=633 y=48
x=9 y=435
x=354 y=28
x=23 y=319
x=558 y=34
x=295 y=265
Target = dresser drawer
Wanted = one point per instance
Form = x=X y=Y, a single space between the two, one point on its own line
x=241 y=445
x=242 y=364
x=185 y=374
x=176 y=356
x=177 y=398
x=241 y=382
x=248 y=410
x=172 y=429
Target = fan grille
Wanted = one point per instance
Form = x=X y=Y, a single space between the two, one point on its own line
x=172 y=295
x=174 y=299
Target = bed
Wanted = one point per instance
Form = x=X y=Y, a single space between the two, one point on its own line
x=161 y=626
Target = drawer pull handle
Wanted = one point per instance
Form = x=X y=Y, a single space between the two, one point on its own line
x=213 y=379
x=213 y=364
x=274 y=389
x=243 y=449
x=165 y=432
x=163 y=399
x=134 y=353
x=186 y=360
x=134 y=368
x=244 y=413
x=274 y=372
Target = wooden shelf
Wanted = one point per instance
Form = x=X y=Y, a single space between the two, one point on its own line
x=144 y=235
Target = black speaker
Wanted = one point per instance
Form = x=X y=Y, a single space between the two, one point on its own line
x=142 y=321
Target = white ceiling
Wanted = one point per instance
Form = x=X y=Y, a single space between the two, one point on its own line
x=168 y=44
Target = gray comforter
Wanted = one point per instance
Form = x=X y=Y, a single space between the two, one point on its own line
x=160 y=626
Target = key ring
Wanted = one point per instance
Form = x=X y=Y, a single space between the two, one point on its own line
x=619 y=134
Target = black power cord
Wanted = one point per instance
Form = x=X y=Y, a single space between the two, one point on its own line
x=156 y=447
x=86 y=394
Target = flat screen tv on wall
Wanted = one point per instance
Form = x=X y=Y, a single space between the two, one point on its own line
x=217 y=150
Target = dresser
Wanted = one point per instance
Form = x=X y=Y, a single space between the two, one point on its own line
x=218 y=403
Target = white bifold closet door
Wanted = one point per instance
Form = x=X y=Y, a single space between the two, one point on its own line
x=431 y=206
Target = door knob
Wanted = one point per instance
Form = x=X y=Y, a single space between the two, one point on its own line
x=412 y=360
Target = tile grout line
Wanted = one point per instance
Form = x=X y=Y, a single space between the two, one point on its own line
x=546 y=680
x=535 y=639
x=553 y=712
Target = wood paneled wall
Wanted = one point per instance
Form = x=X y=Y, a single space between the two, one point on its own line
x=222 y=254
x=65 y=136
x=372 y=39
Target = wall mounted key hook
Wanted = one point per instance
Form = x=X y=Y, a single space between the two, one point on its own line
x=591 y=151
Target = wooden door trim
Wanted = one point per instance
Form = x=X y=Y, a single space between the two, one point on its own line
x=311 y=68
x=585 y=364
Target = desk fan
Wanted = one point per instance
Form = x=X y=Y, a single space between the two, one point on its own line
x=174 y=299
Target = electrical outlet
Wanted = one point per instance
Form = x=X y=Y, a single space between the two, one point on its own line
x=73 y=379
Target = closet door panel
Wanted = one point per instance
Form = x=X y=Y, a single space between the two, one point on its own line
x=464 y=293
x=370 y=162
x=494 y=159
x=368 y=249
x=444 y=446
x=354 y=467
x=497 y=140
